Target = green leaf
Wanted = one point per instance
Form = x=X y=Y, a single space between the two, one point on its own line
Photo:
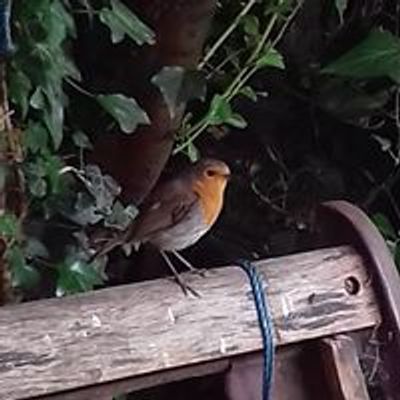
x=92 y=205
x=384 y=226
x=36 y=137
x=55 y=25
x=341 y=6
x=52 y=165
x=251 y=25
x=38 y=187
x=271 y=58
x=220 y=111
x=192 y=152
x=35 y=248
x=81 y=140
x=179 y=85
x=54 y=116
x=35 y=173
x=84 y=210
x=122 y=21
x=23 y=275
x=20 y=87
x=37 y=100
x=65 y=17
x=237 y=121
x=103 y=188
x=125 y=110
x=8 y=226
x=76 y=276
x=248 y=92
x=121 y=217
x=378 y=55
x=70 y=69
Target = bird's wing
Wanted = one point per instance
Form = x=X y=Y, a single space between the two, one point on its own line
x=165 y=207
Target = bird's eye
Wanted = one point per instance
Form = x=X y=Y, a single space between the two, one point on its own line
x=210 y=173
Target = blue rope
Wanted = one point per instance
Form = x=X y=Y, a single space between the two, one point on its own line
x=266 y=325
x=6 y=46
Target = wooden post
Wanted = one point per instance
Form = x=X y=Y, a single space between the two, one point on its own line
x=119 y=337
x=344 y=376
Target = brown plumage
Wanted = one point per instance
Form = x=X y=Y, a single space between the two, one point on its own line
x=180 y=211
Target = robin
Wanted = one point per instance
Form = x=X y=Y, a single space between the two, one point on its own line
x=179 y=212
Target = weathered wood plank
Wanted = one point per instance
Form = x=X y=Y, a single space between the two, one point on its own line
x=117 y=333
x=344 y=375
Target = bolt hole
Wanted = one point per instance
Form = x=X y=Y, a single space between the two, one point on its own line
x=352 y=285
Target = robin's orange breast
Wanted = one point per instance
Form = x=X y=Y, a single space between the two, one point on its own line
x=179 y=212
x=211 y=197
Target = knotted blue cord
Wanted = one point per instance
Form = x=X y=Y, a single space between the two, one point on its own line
x=266 y=324
x=6 y=46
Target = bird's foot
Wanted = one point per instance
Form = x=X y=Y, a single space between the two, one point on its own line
x=186 y=288
x=189 y=266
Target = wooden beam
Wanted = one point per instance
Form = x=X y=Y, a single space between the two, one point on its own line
x=118 y=333
x=344 y=375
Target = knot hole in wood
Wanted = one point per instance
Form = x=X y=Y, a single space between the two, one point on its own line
x=352 y=285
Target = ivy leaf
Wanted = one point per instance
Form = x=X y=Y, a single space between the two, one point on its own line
x=76 y=276
x=36 y=137
x=341 y=6
x=92 y=205
x=251 y=25
x=121 y=217
x=84 y=210
x=384 y=226
x=221 y=113
x=54 y=117
x=55 y=25
x=37 y=100
x=35 y=248
x=38 y=187
x=36 y=178
x=103 y=188
x=70 y=69
x=237 y=121
x=20 y=87
x=378 y=55
x=8 y=226
x=249 y=92
x=23 y=274
x=122 y=21
x=271 y=58
x=81 y=140
x=192 y=152
x=65 y=17
x=179 y=85
x=125 y=110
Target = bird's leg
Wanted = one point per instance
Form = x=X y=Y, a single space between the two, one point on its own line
x=184 y=286
x=187 y=264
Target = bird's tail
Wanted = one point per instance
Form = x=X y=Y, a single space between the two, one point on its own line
x=109 y=246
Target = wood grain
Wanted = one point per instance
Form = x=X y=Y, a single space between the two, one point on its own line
x=344 y=375
x=117 y=333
